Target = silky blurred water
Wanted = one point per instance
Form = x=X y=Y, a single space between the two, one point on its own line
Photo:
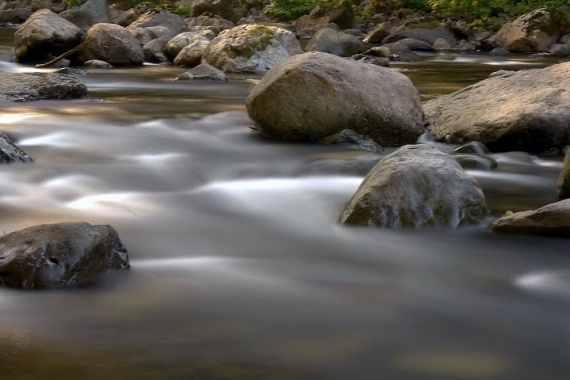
x=239 y=270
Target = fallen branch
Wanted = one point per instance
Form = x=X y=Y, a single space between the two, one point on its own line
x=59 y=58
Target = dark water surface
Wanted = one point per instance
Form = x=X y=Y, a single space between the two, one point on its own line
x=239 y=270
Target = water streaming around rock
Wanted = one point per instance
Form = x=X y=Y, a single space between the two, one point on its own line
x=239 y=270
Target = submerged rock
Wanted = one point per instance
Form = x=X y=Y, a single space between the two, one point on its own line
x=314 y=95
x=528 y=110
x=416 y=186
x=551 y=220
x=23 y=87
x=51 y=255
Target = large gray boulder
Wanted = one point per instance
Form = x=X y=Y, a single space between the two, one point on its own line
x=23 y=87
x=416 y=186
x=314 y=95
x=330 y=41
x=52 y=255
x=252 y=48
x=45 y=34
x=528 y=110
x=88 y=14
x=563 y=183
x=551 y=220
x=536 y=31
x=113 y=44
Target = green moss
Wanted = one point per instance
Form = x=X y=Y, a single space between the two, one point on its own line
x=259 y=37
x=552 y=23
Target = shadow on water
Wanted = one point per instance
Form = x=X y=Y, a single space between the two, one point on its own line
x=239 y=270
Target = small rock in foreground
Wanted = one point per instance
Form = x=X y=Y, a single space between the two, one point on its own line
x=54 y=255
x=550 y=220
x=23 y=87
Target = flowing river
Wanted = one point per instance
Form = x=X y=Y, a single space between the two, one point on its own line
x=239 y=270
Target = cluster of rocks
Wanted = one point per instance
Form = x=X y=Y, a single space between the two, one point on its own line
x=316 y=96
x=215 y=34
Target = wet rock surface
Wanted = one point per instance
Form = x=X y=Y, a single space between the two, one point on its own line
x=551 y=220
x=416 y=186
x=22 y=87
x=53 y=255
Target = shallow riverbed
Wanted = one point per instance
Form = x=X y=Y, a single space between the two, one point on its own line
x=239 y=270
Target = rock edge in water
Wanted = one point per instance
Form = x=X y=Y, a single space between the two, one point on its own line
x=60 y=254
x=23 y=87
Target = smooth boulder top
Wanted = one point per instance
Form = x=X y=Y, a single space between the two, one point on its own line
x=528 y=110
x=313 y=95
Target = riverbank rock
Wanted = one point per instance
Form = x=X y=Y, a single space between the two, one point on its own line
x=191 y=55
x=252 y=48
x=22 y=87
x=563 y=183
x=52 y=255
x=330 y=41
x=113 y=44
x=180 y=41
x=550 y=220
x=45 y=34
x=222 y=8
x=314 y=95
x=416 y=186
x=10 y=17
x=9 y=152
x=528 y=110
x=204 y=23
x=88 y=14
x=173 y=22
x=536 y=31
x=427 y=29
x=341 y=14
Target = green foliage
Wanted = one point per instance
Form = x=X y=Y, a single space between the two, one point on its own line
x=72 y=3
x=181 y=10
x=417 y=5
x=290 y=9
x=489 y=13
